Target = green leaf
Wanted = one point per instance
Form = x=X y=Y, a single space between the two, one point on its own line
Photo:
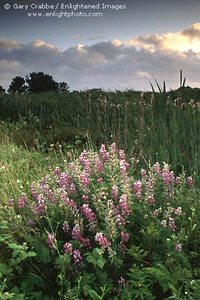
x=94 y=295
x=32 y=254
x=101 y=263
x=91 y=259
x=86 y=289
x=15 y=253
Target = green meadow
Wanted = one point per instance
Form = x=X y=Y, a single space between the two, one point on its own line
x=79 y=220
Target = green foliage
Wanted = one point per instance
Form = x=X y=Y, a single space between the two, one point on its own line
x=71 y=237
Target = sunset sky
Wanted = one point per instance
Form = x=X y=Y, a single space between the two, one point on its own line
x=123 y=48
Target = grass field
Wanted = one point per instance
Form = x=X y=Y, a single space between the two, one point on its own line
x=58 y=189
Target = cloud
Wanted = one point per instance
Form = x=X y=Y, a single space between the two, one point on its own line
x=188 y=38
x=108 y=64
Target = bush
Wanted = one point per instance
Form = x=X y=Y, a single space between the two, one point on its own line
x=90 y=229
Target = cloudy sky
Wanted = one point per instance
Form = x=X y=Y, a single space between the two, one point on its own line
x=111 y=44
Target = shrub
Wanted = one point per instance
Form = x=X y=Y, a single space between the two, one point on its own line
x=90 y=229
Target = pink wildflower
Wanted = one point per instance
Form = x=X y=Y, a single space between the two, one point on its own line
x=172 y=225
x=51 y=241
x=121 y=155
x=124 y=205
x=104 y=154
x=77 y=258
x=66 y=227
x=100 y=181
x=21 y=201
x=157 y=169
x=138 y=189
x=190 y=181
x=124 y=237
x=144 y=174
x=88 y=213
x=103 y=242
x=57 y=171
x=11 y=202
x=76 y=233
x=68 y=248
x=178 y=211
x=114 y=192
x=120 y=220
x=178 y=247
x=98 y=164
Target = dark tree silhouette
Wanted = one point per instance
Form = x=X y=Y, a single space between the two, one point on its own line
x=39 y=82
x=63 y=87
x=2 y=90
x=17 y=85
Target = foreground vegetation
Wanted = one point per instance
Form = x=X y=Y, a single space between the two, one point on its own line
x=77 y=222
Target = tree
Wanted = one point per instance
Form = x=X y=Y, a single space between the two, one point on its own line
x=40 y=82
x=2 y=90
x=17 y=85
x=63 y=87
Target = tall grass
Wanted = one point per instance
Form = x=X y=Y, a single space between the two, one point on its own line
x=149 y=128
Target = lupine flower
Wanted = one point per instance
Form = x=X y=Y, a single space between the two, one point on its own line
x=157 y=169
x=98 y=164
x=163 y=223
x=190 y=181
x=76 y=233
x=100 y=181
x=11 y=202
x=34 y=193
x=103 y=242
x=123 y=166
x=137 y=187
x=68 y=248
x=178 y=211
x=86 y=242
x=157 y=212
x=122 y=282
x=114 y=192
x=57 y=171
x=166 y=174
x=69 y=202
x=178 y=247
x=121 y=155
x=172 y=225
x=124 y=237
x=51 y=241
x=77 y=258
x=150 y=193
x=177 y=180
x=83 y=156
x=21 y=201
x=85 y=197
x=113 y=148
x=144 y=174
x=124 y=205
x=72 y=188
x=120 y=220
x=87 y=212
x=84 y=179
x=104 y=154
x=66 y=227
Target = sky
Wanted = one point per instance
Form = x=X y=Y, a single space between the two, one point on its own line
x=114 y=45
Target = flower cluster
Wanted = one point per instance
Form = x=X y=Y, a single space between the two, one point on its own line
x=96 y=201
x=101 y=239
x=51 y=241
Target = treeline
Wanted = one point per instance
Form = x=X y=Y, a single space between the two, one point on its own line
x=35 y=82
